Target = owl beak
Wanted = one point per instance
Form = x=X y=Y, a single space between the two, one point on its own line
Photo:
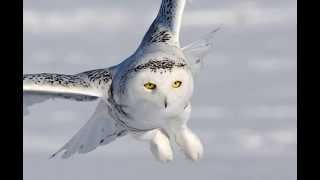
x=165 y=103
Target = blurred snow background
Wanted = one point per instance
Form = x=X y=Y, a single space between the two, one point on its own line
x=244 y=108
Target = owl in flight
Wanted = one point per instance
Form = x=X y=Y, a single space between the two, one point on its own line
x=147 y=95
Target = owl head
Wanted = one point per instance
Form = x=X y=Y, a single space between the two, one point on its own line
x=161 y=86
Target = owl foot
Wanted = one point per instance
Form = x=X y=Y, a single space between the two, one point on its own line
x=161 y=148
x=190 y=144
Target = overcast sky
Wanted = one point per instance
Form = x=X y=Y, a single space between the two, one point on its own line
x=244 y=106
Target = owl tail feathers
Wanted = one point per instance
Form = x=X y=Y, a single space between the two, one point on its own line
x=100 y=130
x=197 y=50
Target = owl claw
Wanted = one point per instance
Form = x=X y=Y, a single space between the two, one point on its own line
x=190 y=144
x=161 y=148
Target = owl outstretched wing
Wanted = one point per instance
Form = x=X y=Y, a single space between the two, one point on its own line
x=197 y=50
x=86 y=86
x=101 y=129
x=166 y=26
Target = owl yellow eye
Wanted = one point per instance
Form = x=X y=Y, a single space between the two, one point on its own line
x=150 y=85
x=176 y=84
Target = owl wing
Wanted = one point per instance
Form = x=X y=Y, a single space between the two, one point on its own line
x=197 y=50
x=166 y=26
x=86 y=86
x=101 y=129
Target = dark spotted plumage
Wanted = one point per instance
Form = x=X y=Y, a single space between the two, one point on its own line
x=56 y=80
x=161 y=36
x=156 y=64
x=167 y=12
x=99 y=75
x=89 y=80
x=164 y=28
x=84 y=80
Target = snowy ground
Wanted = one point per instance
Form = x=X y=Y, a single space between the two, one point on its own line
x=244 y=102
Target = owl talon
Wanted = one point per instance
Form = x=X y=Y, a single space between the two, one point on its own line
x=161 y=148
x=190 y=144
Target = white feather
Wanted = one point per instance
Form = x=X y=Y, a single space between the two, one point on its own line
x=126 y=105
x=101 y=129
x=197 y=50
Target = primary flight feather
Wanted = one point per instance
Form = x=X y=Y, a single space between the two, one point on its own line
x=147 y=95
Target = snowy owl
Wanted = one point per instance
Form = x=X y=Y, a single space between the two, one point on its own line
x=147 y=95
